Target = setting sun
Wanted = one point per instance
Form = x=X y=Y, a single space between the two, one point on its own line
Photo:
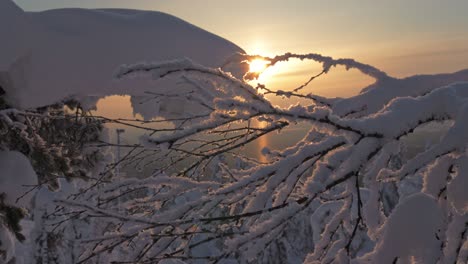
x=258 y=65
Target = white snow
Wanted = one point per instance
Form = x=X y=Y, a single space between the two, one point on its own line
x=457 y=194
x=435 y=179
x=93 y=44
x=7 y=245
x=410 y=232
x=17 y=178
x=23 y=250
x=348 y=157
x=376 y=96
x=455 y=240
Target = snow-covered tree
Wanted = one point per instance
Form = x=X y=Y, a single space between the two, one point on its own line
x=37 y=149
x=345 y=193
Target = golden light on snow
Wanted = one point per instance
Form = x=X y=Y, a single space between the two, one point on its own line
x=258 y=65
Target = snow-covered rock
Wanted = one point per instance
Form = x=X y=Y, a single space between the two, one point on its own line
x=17 y=177
x=75 y=52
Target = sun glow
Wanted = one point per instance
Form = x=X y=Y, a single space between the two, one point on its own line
x=258 y=65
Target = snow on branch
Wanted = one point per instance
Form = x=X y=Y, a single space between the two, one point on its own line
x=327 y=63
x=345 y=192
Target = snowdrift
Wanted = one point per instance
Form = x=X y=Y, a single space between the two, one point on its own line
x=56 y=54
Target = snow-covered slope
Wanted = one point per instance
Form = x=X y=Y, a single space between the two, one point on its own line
x=76 y=51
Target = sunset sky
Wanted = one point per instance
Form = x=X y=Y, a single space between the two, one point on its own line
x=401 y=37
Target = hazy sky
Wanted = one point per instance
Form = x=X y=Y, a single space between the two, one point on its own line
x=402 y=37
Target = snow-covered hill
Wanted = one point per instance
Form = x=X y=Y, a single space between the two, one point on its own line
x=48 y=56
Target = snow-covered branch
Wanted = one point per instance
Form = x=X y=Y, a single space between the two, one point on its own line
x=347 y=190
